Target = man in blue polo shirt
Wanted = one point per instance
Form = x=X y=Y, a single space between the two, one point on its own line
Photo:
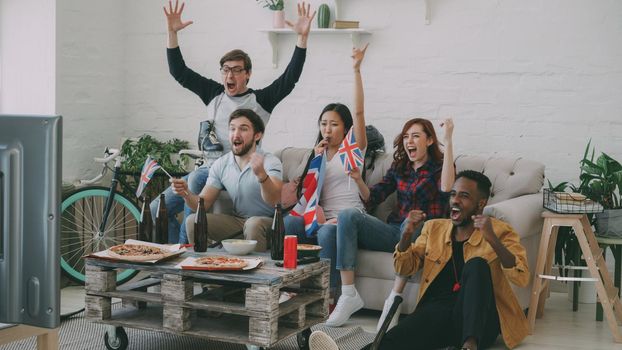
x=252 y=179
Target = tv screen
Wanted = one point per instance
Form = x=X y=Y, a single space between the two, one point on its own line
x=30 y=197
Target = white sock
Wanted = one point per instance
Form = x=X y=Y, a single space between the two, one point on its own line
x=393 y=295
x=348 y=289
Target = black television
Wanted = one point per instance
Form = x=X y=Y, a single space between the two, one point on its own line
x=30 y=197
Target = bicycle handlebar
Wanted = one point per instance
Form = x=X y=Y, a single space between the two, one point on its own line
x=93 y=180
x=192 y=153
x=113 y=154
x=110 y=154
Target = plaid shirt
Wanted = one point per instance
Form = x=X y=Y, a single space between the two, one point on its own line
x=419 y=190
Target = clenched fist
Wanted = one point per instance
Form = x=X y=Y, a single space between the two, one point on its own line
x=256 y=164
x=484 y=224
x=413 y=220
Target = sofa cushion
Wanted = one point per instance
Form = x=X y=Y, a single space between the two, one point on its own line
x=510 y=177
x=294 y=161
x=523 y=213
x=377 y=265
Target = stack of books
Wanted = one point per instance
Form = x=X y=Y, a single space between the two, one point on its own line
x=345 y=24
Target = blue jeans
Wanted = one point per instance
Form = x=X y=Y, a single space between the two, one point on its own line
x=175 y=205
x=325 y=237
x=356 y=229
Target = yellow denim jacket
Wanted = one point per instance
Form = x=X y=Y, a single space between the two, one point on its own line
x=433 y=249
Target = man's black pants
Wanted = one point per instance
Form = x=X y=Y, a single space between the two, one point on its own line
x=449 y=321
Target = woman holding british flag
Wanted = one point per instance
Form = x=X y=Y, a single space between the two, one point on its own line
x=422 y=176
x=324 y=177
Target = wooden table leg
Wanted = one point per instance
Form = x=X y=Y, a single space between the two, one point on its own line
x=48 y=341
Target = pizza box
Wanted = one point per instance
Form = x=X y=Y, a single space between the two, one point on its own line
x=171 y=250
x=190 y=264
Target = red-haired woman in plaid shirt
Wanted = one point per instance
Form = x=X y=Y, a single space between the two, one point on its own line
x=422 y=176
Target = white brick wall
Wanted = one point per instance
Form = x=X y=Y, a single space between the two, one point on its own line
x=27 y=56
x=533 y=78
x=91 y=81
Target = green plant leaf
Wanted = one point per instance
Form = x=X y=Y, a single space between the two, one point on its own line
x=560 y=187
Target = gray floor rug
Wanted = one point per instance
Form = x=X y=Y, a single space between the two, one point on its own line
x=77 y=333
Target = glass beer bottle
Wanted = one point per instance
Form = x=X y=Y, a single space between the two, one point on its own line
x=278 y=234
x=200 y=228
x=161 y=229
x=145 y=228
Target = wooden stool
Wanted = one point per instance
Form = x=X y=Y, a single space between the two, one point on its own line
x=615 y=244
x=593 y=256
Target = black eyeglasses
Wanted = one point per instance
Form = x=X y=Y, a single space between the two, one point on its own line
x=233 y=70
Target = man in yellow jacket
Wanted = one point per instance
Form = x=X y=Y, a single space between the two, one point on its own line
x=468 y=262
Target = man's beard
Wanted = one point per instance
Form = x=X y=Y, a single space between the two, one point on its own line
x=243 y=151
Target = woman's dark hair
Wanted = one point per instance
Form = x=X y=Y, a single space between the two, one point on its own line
x=400 y=158
x=346 y=117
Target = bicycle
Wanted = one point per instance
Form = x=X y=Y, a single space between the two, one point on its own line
x=95 y=218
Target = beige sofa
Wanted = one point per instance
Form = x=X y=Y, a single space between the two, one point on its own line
x=515 y=199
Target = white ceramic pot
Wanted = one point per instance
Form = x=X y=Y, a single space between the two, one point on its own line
x=587 y=292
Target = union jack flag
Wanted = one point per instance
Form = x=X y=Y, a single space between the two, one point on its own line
x=350 y=153
x=146 y=174
x=311 y=189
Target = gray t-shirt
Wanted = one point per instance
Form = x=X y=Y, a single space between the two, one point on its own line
x=220 y=105
x=242 y=184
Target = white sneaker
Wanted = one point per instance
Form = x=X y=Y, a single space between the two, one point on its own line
x=319 y=340
x=346 y=306
x=385 y=311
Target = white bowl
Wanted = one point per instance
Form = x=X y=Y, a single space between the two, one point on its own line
x=239 y=246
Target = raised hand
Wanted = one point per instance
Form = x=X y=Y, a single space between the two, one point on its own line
x=305 y=17
x=448 y=125
x=357 y=56
x=173 y=17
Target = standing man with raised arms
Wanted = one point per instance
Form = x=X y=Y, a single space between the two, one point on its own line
x=232 y=93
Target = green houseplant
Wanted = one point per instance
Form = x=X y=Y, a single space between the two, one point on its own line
x=274 y=5
x=136 y=150
x=278 y=15
x=601 y=181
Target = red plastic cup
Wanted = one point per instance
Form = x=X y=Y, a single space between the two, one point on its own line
x=290 y=252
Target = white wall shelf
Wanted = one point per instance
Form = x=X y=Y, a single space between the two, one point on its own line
x=273 y=35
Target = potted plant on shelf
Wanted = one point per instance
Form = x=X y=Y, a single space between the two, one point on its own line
x=601 y=181
x=278 y=16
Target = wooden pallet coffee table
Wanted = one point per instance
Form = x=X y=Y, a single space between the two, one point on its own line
x=236 y=307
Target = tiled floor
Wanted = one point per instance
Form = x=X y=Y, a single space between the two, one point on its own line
x=560 y=328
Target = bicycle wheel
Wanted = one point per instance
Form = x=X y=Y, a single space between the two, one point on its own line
x=82 y=212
